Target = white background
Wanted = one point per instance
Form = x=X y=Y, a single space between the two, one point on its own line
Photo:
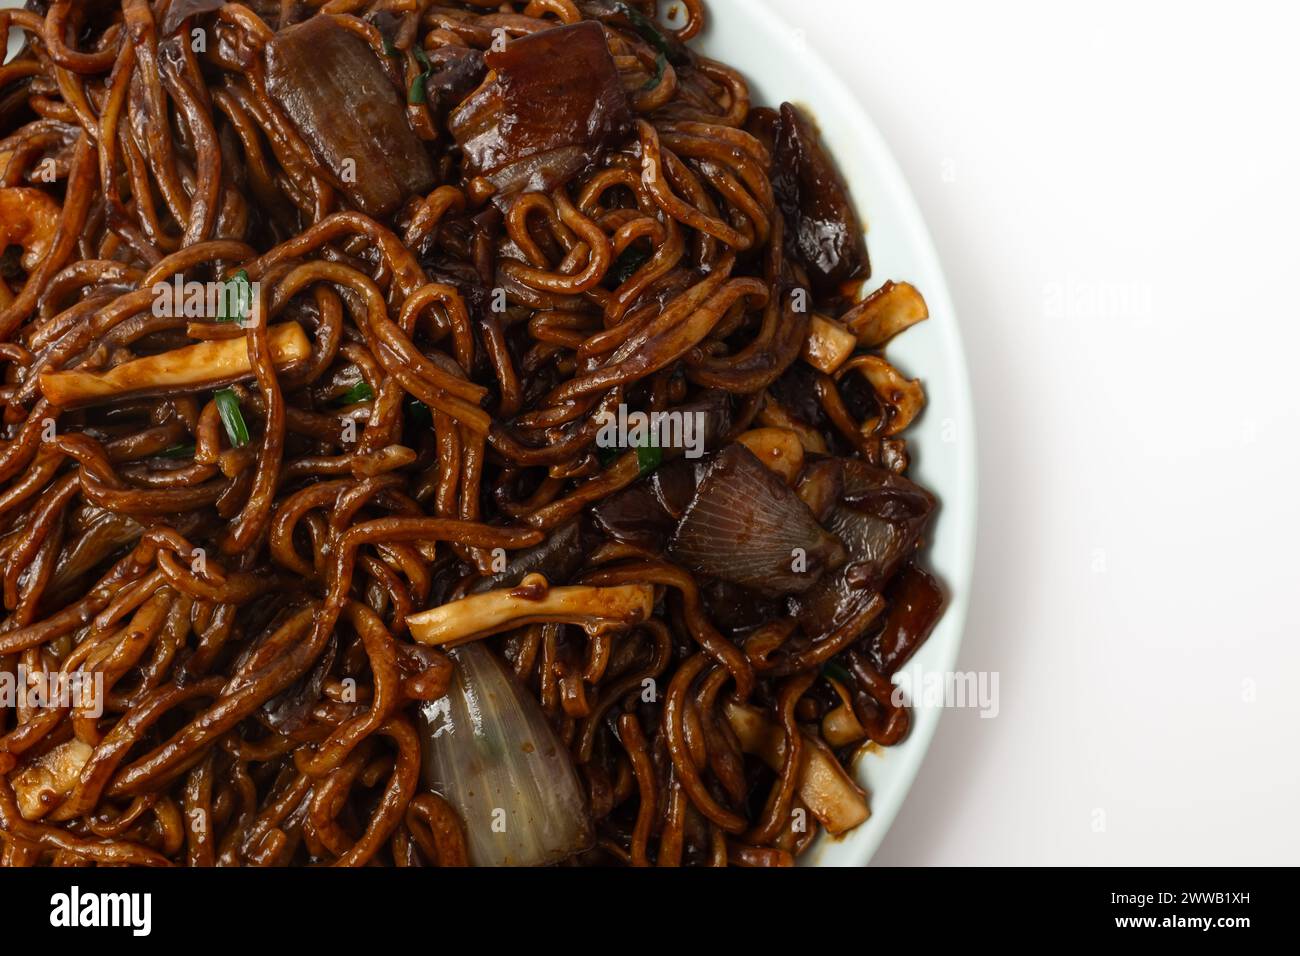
x=1113 y=188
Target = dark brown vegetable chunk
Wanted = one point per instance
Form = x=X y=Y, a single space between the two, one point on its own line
x=747 y=527
x=646 y=513
x=880 y=519
x=822 y=226
x=555 y=106
x=454 y=73
x=915 y=606
x=338 y=96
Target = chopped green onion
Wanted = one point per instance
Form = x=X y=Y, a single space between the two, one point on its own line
x=178 y=451
x=228 y=407
x=661 y=64
x=360 y=392
x=648 y=458
x=389 y=49
x=422 y=58
x=236 y=298
x=627 y=264
x=649 y=32
x=418 y=93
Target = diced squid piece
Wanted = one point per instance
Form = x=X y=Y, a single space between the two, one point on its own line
x=829 y=344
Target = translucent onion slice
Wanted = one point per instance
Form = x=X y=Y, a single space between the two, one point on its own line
x=489 y=751
x=746 y=526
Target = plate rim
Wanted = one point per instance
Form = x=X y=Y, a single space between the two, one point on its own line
x=961 y=515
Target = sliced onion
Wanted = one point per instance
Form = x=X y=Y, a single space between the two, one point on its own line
x=747 y=527
x=490 y=753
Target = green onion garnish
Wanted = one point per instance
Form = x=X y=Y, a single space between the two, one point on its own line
x=418 y=93
x=231 y=416
x=649 y=32
x=389 y=49
x=236 y=298
x=661 y=64
x=360 y=392
x=178 y=451
x=648 y=458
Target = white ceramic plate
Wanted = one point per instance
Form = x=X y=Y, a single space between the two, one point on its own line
x=751 y=36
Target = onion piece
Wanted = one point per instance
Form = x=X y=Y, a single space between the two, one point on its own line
x=820 y=485
x=833 y=798
x=747 y=527
x=195 y=366
x=646 y=512
x=490 y=753
x=841 y=727
x=533 y=601
x=778 y=449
